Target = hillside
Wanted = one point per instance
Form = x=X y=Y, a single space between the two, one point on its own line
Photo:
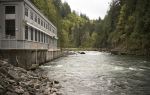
x=125 y=27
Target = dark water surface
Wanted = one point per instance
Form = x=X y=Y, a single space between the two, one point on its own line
x=97 y=73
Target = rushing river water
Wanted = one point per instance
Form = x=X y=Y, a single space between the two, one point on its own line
x=97 y=73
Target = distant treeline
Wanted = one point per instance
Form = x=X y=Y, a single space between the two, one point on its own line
x=126 y=26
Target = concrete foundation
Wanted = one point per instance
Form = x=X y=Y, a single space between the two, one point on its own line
x=25 y=58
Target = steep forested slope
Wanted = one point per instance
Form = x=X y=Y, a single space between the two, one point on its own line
x=126 y=27
x=74 y=30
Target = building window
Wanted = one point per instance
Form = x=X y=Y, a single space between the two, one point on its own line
x=9 y=9
x=44 y=38
x=41 y=22
x=26 y=11
x=10 y=27
x=47 y=38
x=44 y=24
x=35 y=18
x=26 y=32
x=41 y=37
x=38 y=33
x=35 y=35
x=31 y=33
x=50 y=28
x=38 y=20
x=31 y=15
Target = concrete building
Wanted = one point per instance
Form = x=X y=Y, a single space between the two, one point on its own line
x=25 y=33
x=23 y=26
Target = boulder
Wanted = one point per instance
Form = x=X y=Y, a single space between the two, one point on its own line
x=82 y=52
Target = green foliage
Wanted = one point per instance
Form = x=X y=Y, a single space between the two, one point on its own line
x=129 y=30
x=126 y=25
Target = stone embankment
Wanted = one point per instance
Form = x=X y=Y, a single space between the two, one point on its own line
x=18 y=81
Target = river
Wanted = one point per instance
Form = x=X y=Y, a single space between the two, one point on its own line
x=98 y=73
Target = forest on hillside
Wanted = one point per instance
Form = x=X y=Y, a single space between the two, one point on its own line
x=126 y=26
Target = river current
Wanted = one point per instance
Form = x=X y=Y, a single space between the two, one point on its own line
x=98 y=73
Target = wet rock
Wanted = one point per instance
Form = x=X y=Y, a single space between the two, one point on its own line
x=11 y=81
x=2 y=89
x=26 y=93
x=19 y=90
x=11 y=93
x=56 y=82
x=34 y=66
x=47 y=91
x=57 y=86
x=37 y=86
x=54 y=90
x=59 y=93
x=82 y=52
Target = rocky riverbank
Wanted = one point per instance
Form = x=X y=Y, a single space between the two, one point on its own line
x=18 y=81
x=130 y=52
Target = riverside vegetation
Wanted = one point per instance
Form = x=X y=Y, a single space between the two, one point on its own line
x=125 y=27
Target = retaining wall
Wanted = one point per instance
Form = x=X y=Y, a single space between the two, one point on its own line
x=26 y=58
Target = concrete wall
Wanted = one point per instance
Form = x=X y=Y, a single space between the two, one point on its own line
x=25 y=58
x=18 y=16
x=18 y=41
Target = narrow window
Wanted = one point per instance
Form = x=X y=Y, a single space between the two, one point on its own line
x=9 y=9
x=31 y=33
x=41 y=22
x=44 y=38
x=31 y=15
x=35 y=35
x=10 y=27
x=47 y=39
x=39 y=36
x=35 y=18
x=50 y=27
x=44 y=24
x=38 y=20
x=26 y=32
x=26 y=11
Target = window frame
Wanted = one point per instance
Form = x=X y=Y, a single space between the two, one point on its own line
x=39 y=20
x=35 y=18
x=26 y=12
x=10 y=27
x=26 y=32
x=10 y=10
x=31 y=30
x=31 y=15
x=35 y=32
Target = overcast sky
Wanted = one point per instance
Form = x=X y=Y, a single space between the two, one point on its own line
x=92 y=8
